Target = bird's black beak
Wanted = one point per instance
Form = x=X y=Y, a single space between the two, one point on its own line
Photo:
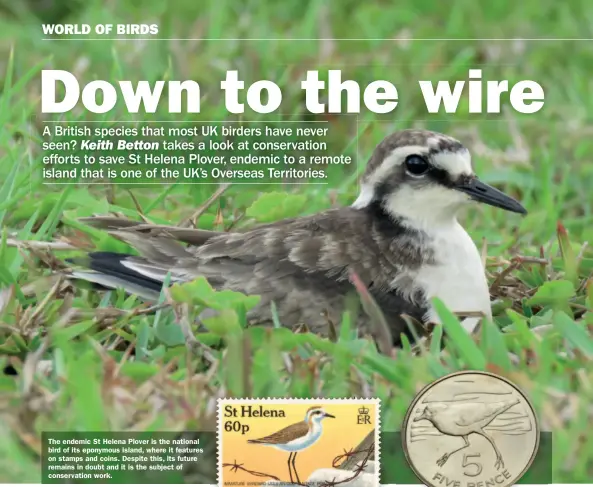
x=485 y=193
x=327 y=415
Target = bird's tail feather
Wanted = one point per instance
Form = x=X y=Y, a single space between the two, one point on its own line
x=104 y=281
x=160 y=247
x=112 y=270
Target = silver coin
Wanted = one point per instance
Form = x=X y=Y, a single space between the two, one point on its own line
x=470 y=429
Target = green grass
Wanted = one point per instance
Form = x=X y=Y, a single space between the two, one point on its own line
x=540 y=270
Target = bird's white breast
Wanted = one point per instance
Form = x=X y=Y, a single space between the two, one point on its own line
x=457 y=277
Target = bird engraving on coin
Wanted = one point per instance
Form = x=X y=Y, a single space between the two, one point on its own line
x=464 y=419
x=495 y=421
x=401 y=237
x=297 y=437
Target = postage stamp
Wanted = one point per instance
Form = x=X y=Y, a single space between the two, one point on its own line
x=309 y=442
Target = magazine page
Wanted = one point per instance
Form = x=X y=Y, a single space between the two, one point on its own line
x=309 y=243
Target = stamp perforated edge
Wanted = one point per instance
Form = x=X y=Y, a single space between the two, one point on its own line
x=284 y=400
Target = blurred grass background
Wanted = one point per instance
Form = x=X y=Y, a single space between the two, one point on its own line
x=78 y=360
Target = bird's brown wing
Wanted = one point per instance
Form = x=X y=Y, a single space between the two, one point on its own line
x=303 y=265
x=285 y=434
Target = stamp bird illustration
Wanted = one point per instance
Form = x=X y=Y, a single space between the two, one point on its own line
x=401 y=237
x=464 y=418
x=296 y=437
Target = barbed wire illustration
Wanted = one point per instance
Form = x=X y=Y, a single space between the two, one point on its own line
x=357 y=470
x=239 y=466
x=234 y=467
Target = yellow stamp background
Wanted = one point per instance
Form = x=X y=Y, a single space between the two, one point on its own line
x=339 y=434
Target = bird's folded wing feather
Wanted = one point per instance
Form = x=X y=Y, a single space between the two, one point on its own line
x=303 y=265
x=471 y=413
x=329 y=244
x=285 y=434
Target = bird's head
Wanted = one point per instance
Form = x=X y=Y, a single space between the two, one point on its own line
x=425 y=177
x=316 y=415
x=429 y=411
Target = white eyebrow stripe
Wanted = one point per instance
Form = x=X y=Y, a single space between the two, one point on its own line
x=455 y=163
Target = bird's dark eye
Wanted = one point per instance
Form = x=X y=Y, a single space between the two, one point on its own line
x=416 y=165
